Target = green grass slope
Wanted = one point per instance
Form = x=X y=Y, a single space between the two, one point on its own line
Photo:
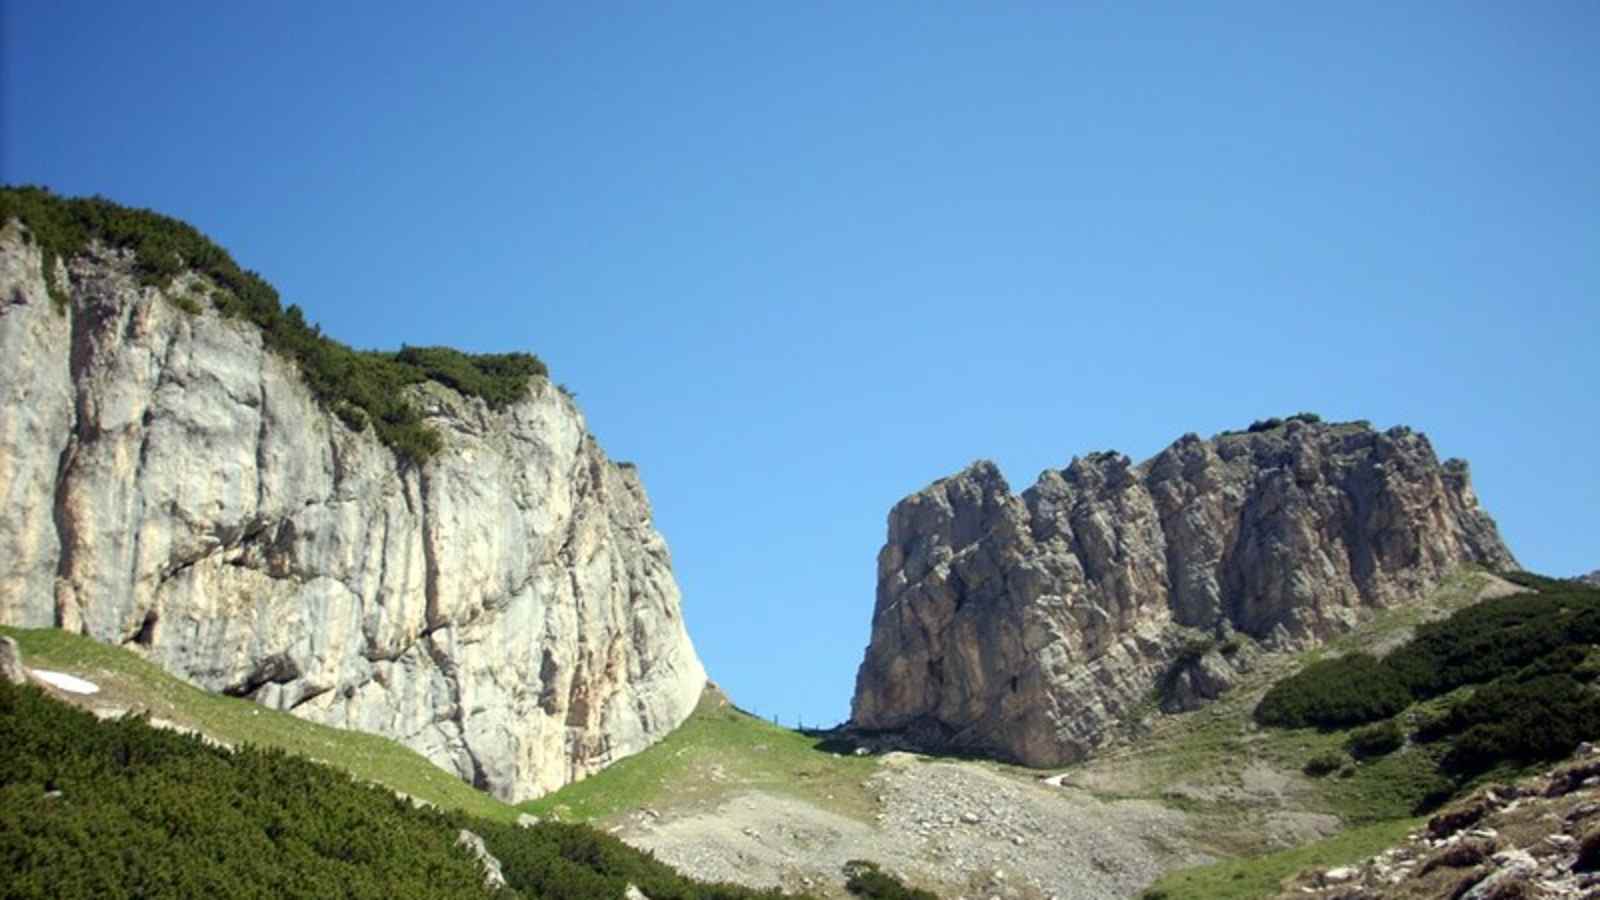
x=718 y=751
x=1258 y=876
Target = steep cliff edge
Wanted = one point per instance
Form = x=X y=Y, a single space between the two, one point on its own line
x=1031 y=626
x=506 y=607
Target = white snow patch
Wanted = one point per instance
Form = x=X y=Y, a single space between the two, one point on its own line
x=65 y=682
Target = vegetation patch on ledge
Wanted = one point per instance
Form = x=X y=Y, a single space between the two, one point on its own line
x=362 y=387
x=1274 y=423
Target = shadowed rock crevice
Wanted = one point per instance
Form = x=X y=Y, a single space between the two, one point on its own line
x=1031 y=627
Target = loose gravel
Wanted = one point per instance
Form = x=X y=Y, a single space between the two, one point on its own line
x=960 y=828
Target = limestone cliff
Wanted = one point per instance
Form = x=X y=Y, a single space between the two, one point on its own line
x=506 y=608
x=1030 y=626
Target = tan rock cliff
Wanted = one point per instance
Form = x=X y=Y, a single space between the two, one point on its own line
x=1030 y=626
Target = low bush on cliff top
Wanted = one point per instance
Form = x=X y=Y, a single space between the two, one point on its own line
x=1273 y=422
x=92 y=808
x=363 y=387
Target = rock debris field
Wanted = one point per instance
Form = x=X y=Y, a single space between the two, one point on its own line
x=960 y=828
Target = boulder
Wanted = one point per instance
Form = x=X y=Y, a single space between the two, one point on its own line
x=493 y=878
x=11 y=668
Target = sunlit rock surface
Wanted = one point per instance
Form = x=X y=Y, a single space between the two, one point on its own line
x=1028 y=626
x=507 y=609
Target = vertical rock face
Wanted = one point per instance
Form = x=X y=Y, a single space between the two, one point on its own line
x=507 y=609
x=1030 y=626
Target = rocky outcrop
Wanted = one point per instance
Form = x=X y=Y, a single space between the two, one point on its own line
x=493 y=875
x=1029 y=626
x=507 y=608
x=1538 y=837
x=11 y=667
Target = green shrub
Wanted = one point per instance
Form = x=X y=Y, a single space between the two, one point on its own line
x=1515 y=670
x=501 y=379
x=361 y=387
x=1429 y=724
x=114 y=809
x=1504 y=683
x=557 y=861
x=1540 y=719
x=1334 y=693
x=1588 y=668
x=1375 y=740
x=143 y=812
x=1570 y=660
x=866 y=879
x=1268 y=424
x=1537 y=582
x=1496 y=638
x=1324 y=763
x=1194 y=647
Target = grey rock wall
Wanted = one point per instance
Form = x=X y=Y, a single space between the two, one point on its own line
x=508 y=609
x=1030 y=626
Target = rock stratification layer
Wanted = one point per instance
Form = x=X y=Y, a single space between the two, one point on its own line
x=507 y=609
x=1030 y=626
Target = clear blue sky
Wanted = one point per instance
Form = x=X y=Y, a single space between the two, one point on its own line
x=799 y=260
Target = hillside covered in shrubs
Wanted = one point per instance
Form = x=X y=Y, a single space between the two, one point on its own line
x=1505 y=683
x=363 y=387
x=107 y=809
